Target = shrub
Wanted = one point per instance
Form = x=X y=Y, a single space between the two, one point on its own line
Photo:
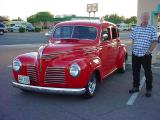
x=37 y=29
x=22 y=29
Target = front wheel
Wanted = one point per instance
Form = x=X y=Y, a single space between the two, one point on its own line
x=91 y=87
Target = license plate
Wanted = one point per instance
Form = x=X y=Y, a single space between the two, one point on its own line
x=23 y=79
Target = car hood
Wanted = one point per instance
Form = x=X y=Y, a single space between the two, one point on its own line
x=55 y=49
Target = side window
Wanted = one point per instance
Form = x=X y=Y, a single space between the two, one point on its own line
x=106 y=31
x=114 y=33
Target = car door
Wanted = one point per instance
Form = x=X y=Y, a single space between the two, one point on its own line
x=115 y=42
x=106 y=52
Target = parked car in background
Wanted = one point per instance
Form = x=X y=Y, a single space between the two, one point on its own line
x=132 y=26
x=3 y=29
x=80 y=54
x=30 y=28
x=47 y=34
x=123 y=27
x=15 y=27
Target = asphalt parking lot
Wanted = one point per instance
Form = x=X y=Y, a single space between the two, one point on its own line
x=111 y=102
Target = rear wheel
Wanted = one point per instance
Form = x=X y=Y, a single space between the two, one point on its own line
x=123 y=68
x=91 y=86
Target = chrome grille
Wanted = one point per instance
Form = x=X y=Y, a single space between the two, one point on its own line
x=55 y=75
x=32 y=72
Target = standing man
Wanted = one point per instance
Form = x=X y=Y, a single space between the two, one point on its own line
x=144 y=41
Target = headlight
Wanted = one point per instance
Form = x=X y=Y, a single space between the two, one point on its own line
x=74 y=70
x=17 y=65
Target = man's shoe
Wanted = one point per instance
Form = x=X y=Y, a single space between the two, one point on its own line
x=148 y=94
x=133 y=90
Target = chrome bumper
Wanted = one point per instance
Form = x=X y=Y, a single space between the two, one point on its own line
x=49 y=89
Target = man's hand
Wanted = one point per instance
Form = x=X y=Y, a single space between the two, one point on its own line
x=148 y=53
x=153 y=46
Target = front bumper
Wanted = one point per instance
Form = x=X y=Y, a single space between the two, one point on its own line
x=49 y=89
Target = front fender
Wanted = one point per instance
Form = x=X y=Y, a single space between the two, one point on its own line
x=25 y=59
x=87 y=63
x=28 y=58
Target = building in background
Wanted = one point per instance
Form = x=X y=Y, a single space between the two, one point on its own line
x=151 y=6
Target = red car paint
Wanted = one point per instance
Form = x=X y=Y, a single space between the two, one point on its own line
x=55 y=58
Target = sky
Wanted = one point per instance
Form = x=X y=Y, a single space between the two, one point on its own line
x=26 y=8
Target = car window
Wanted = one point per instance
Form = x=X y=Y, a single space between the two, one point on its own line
x=63 y=32
x=76 y=32
x=83 y=32
x=114 y=33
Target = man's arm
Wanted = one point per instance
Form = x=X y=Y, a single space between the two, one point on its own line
x=154 y=41
x=152 y=47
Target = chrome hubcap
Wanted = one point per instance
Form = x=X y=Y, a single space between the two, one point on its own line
x=92 y=85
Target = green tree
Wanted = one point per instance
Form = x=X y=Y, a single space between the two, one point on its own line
x=131 y=20
x=41 y=17
x=114 y=18
x=18 y=19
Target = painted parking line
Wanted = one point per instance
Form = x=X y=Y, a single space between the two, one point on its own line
x=153 y=66
x=129 y=63
x=135 y=95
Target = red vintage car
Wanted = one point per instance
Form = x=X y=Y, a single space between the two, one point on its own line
x=80 y=54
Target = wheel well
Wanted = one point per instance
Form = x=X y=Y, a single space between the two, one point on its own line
x=98 y=75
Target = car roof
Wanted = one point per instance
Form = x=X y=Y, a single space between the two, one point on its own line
x=91 y=22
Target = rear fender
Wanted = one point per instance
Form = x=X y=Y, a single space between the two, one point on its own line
x=122 y=56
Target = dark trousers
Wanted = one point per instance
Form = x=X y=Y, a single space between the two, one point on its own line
x=145 y=61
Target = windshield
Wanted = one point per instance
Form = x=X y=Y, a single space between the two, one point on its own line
x=75 y=32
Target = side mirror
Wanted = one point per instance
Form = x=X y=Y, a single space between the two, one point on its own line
x=105 y=37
